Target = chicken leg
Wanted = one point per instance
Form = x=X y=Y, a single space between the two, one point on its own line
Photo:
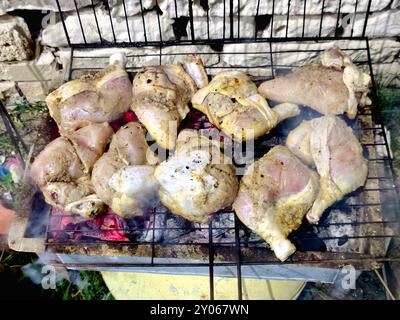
x=232 y=104
x=275 y=193
x=102 y=97
x=161 y=95
x=198 y=179
x=333 y=86
x=330 y=145
x=62 y=170
x=123 y=176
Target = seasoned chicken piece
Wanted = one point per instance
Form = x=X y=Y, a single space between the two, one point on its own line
x=161 y=95
x=333 y=86
x=275 y=193
x=330 y=145
x=198 y=179
x=123 y=176
x=62 y=170
x=232 y=104
x=194 y=67
x=102 y=97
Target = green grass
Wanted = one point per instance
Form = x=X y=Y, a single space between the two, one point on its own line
x=18 y=113
x=389 y=98
x=26 y=107
x=84 y=285
x=89 y=285
x=7 y=183
x=22 y=109
x=5 y=143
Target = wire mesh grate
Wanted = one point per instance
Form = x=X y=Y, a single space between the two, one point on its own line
x=357 y=230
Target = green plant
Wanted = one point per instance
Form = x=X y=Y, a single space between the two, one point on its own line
x=7 y=183
x=25 y=108
x=389 y=98
x=83 y=285
x=5 y=142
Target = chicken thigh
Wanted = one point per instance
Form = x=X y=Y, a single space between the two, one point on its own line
x=232 y=104
x=62 y=170
x=330 y=145
x=102 y=97
x=275 y=193
x=198 y=179
x=123 y=176
x=333 y=86
x=161 y=95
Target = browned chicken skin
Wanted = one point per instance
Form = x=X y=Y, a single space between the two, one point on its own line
x=232 y=104
x=198 y=179
x=161 y=95
x=102 y=97
x=330 y=145
x=62 y=170
x=123 y=176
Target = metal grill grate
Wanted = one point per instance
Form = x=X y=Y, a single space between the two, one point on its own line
x=269 y=19
x=371 y=213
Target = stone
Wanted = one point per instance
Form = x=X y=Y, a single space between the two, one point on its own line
x=295 y=26
x=249 y=8
x=37 y=91
x=63 y=58
x=218 y=28
x=137 y=57
x=247 y=54
x=395 y=4
x=246 y=27
x=384 y=50
x=387 y=74
x=32 y=90
x=35 y=78
x=65 y=5
x=251 y=58
x=291 y=53
x=46 y=58
x=99 y=58
x=255 y=58
x=54 y=36
x=15 y=39
x=176 y=9
x=209 y=57
x=33 y=70
x=5 y=88
x=385 y=23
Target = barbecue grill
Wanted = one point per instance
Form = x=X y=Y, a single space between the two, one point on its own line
x=357 y=231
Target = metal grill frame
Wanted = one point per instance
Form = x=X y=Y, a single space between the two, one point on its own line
x=235 y=256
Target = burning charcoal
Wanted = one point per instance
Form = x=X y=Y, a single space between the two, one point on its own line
x=223 y=227
x=128 y=116
x=224 y=220
x=338 y=225
x=109 y=227
x=62 y=223
x=176 y=227
x=135 y=226
x=156 y=221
